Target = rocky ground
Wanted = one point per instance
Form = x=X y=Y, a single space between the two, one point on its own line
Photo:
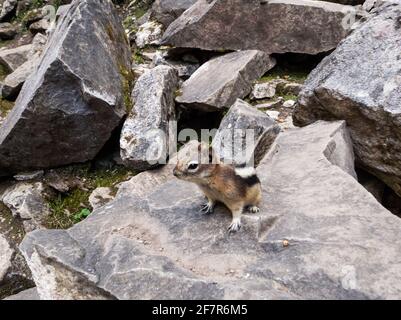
x=88 y=86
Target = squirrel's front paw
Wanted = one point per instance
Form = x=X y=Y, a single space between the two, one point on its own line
x=207 y=208
x=235 y=226
x=253 y=209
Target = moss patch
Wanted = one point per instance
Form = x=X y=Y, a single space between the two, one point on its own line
x=11 y=227
x=127 y=83
x=5 y=43
x=3 y=72
x=5 y=107
x=73 y=207
x=137 y=57
x=288 y=97
x=279 y=72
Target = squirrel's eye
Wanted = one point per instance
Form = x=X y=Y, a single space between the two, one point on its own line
x=193 y=166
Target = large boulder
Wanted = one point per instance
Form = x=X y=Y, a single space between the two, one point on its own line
x=221 y=81
x=166 y=11
x=276 y=26
x=67 y=110
x=234 y=143
x=360 y=83
x=319 y=235
x=147 y=132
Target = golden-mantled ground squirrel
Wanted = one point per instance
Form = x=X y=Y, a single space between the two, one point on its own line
x=237 y=188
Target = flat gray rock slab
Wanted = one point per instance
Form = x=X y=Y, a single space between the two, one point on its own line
x=76 y=86
x=218 y=83
x=275 y=26
x=360 y=83
x=146 y=133
x=320 y=235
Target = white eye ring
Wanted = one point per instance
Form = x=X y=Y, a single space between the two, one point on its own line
x=193 y=166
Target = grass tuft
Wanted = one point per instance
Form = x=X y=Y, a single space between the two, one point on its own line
x=73 y=207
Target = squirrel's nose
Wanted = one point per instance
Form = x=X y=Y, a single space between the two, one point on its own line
x=175 y=173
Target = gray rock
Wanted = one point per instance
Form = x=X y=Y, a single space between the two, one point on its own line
x=139 y=69
x=62 y=10
x=263 y=91
x=278 y=26
x=370 y=5
x=289 y=104
x=349 y=2
x=149 y=33
x=357 y=84
x=8 y=31
x=40 y=26
x=14 y=272
x=27 y=201
x=26 y=295
x=146 y=134
x=273 y=104
x=231 y=144
x=274 y=115
x=151 y=242
x=78 y=87
x=286 y=123
x=11 y=59
x=166 y=11
x=13 y=83
x=5 y=258
x=8 y=10
x=266 y=90
x=219 y=82
x=62 y=180
x=28 y=176
x=292 y=88
x=100 y=197
x=184 y=69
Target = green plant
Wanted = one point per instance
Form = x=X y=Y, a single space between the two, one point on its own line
x=138 y=58
x=5 y=107
x=70 y=208
x=82 y=215
x=287 y=97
